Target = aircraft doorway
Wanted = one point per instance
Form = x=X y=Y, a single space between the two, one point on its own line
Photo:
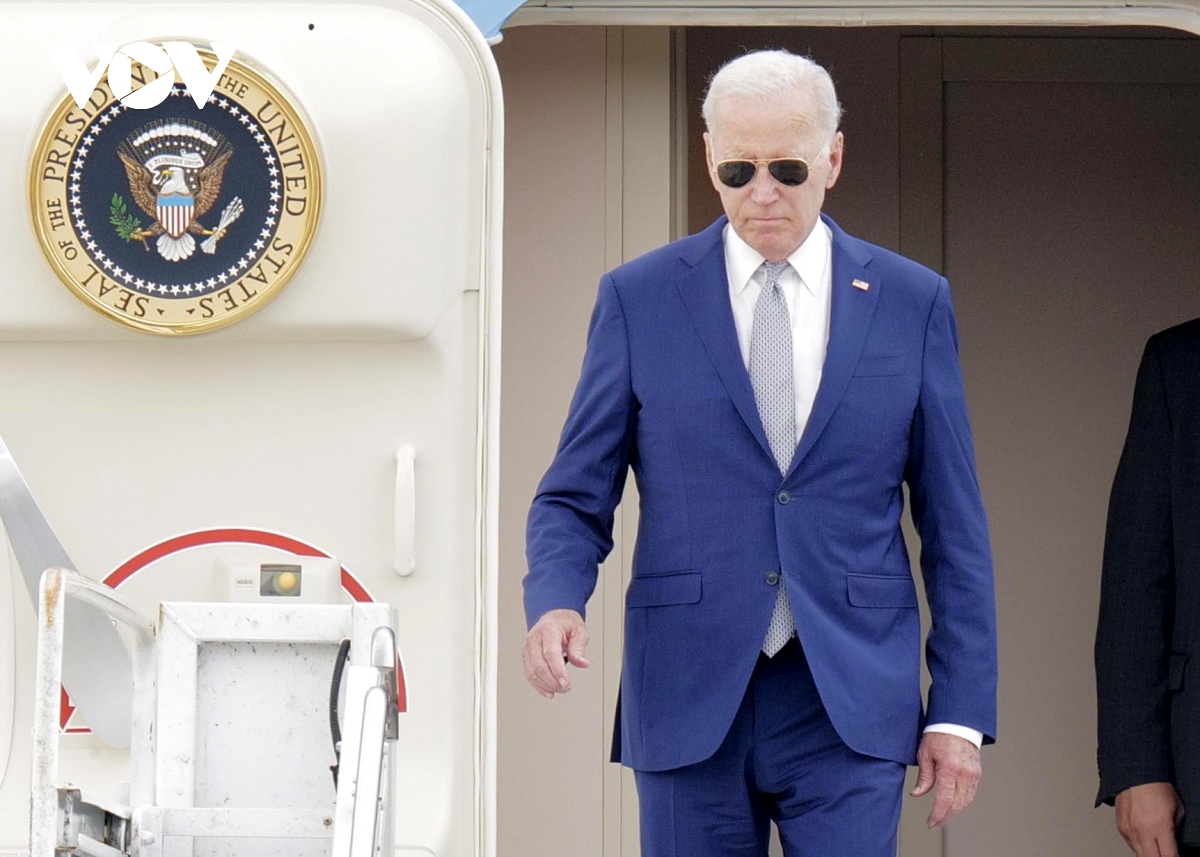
x=1050 y=173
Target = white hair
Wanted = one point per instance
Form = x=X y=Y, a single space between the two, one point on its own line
x=768 y=75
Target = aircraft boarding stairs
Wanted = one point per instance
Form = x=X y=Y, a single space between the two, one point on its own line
x=234 y=724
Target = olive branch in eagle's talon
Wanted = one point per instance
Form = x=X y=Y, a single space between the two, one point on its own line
x=128 y=226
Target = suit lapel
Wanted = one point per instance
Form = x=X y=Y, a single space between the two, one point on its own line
x=850 y=317
x=705 y=293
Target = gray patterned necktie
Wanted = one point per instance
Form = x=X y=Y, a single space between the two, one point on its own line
x=775 y=393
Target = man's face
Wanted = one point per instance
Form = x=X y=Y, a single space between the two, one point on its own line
x=772 y=218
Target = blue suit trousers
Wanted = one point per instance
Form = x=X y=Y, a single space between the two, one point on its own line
x=782 y=761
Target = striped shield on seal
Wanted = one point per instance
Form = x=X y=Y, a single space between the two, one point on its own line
x=175 y=213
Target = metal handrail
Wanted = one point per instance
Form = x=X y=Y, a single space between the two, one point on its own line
x=57 y=585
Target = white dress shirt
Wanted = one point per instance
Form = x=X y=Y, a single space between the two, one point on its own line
x=807 y=286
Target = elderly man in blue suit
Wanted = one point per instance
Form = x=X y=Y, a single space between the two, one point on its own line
x=772 y=382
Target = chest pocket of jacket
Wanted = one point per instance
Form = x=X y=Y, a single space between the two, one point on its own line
x=661 y=590
x=878 y=366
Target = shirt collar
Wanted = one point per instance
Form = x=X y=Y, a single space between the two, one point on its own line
x=809 y=260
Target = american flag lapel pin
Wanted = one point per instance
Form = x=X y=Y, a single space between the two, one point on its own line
x=861 y=285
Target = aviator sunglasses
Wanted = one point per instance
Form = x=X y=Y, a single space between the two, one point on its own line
x=739 y=172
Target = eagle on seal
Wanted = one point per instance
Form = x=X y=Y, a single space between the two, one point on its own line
x=175 y=172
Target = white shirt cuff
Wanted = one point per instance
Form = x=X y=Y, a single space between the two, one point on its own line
x=972 y=735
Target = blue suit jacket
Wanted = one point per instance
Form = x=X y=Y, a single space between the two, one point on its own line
x=664 y=392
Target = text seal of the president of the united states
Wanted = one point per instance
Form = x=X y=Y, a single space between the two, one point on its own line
x=177 y=219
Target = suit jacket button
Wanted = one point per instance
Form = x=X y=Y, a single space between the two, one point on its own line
x=784 y=497
x=772 y=578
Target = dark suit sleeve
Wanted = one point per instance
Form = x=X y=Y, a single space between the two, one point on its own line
x=1136 y=597
x=956 y=559
x=569 y=530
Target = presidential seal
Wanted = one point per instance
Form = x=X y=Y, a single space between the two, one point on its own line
x=176 y=219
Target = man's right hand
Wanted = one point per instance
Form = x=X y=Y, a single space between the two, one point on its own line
x=558 y=638
x=1147 y=816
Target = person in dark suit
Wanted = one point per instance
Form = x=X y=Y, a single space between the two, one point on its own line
x=1149 y=711
x=772 y=383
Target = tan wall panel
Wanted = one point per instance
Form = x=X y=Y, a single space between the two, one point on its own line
x=1063 y=268
x=550 y=770
x=588 y=186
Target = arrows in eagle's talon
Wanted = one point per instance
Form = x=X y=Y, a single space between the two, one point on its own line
x=231 y=213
